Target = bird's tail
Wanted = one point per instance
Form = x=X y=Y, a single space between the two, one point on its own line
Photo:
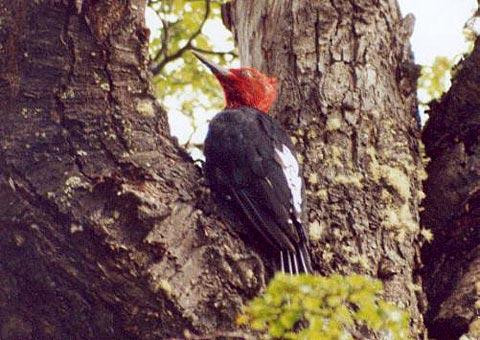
x=297 y=262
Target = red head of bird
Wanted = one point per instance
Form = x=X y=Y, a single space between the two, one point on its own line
x=244 y=86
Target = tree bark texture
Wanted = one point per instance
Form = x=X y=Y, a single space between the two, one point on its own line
x=105 y=228
x=452 y=206
x=347 y=95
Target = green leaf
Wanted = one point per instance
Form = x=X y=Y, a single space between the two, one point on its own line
x=289 y=318
x=434 y=80
x=315 y=307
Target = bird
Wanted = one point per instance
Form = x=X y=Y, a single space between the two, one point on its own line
x=250 y=160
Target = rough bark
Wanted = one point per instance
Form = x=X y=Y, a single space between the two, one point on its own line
x=106 y=230
x=452 y=206
x=347 y=94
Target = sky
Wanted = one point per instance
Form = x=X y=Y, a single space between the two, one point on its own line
x=438 y=27
x=438 y=32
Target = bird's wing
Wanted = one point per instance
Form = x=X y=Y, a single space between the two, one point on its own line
x=256 y=164
x=285 y=175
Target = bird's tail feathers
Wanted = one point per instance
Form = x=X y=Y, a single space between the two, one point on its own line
x=305 y=258
x=297 y=262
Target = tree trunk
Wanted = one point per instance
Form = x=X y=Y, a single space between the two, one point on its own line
x=105 y=228
x=452 y=206
x=348 y=97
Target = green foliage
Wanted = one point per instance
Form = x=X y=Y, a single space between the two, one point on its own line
x=178 y=76
x=470 y=37
x=316 y=307
x=435 y=79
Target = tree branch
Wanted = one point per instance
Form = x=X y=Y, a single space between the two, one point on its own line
x=201 y=50
x=157 y=67
x=165 y=36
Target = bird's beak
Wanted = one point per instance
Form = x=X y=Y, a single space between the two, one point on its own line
x=216 y=69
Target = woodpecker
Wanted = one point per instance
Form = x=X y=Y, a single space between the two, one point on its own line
x=250 y=159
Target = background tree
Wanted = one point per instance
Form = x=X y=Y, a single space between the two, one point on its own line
x=176 y=74
x=452 y=261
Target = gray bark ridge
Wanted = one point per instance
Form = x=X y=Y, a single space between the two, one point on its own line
x=347 y=95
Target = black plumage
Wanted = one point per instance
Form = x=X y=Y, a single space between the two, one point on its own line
x=242 y=162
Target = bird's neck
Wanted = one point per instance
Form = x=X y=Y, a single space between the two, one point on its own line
x=234 y=100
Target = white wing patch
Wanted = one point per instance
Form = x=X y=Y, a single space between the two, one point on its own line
x=291 y=171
